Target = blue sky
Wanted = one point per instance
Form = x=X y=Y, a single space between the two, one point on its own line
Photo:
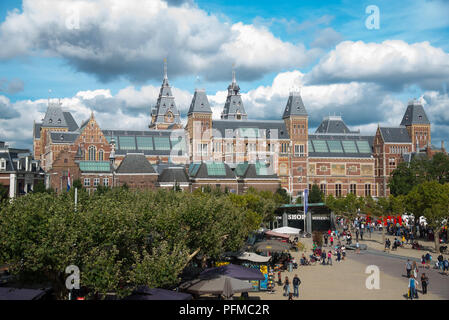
x=322 y=46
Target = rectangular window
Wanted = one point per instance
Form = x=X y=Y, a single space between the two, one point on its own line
x=299 y=150
x=202 y=149
x=323 y=188
x=367 y=190
x=353 y=188
x=87 y=182
x=229 y=148
x=338 y=190
x=106 y=182
x=96 y=182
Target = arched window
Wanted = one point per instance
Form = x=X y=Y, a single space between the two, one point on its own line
x=92 y=153
x=100 y=155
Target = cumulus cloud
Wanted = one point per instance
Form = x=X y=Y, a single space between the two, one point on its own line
x=113 y=38
x=6 y=110
x=326 y=38
x=392 y=64
x=351 y=100
x=11 y=87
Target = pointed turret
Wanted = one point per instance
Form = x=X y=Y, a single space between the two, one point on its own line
x=165 y=114
x=233 y=108
x=295 y=106
x=200 y=103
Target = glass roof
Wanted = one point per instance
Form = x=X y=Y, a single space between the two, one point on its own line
x=335 y=146
x=144 y=143
x=95 y=166
x=363 y=146
x=216 y=169
x=161 y=143
x=311 y=147
x=320 y=146
x=193 y=168
x=127 y=143
x=349 y=146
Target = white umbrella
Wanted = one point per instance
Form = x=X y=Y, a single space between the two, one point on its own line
x=287 y=230
x=253 y=257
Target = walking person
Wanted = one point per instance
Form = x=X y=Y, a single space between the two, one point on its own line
x=424 y=283
x=338 y=255
x=296 y=284
x=332 y=240
x=445 y=266
x=408 y=268
x=411 y=288
x=329 y=257
x=286 y=287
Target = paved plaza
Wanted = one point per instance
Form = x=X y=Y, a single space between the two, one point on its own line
x=346 y=280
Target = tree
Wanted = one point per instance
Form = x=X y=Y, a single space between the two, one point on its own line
x=3 y=193
x=121 y=238
x=281 y=196
x=431 y=200
x=315 y=195
x=77 y=184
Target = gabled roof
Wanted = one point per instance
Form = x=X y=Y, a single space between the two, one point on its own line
x=258 y=170
x=173 y=174
x=295 y=106
x=135 y=163
x=71 y=123
x=199 y=103
x=395 y=134
x=334 y=124
x=414 y=114
x=211 y=170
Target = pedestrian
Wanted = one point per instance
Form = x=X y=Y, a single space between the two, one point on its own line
x=445 y=266
x=411 y=288
x=296 y=284
x=428 y=260
x=423 y=261
x=323 y=257
x=325 y=240
x=440 y=262
x=415 y=269
x=286 y=287
x=424 y=283
x=408 y=268
x=332 y=241
x=338 y=254
x=357 y=245
x=329 y=257
x=279 y=277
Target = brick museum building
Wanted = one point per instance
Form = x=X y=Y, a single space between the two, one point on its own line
x=233 y=152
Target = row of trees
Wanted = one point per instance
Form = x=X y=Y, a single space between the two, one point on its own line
x=121 y=238
x=429 y=199
x=408 y=175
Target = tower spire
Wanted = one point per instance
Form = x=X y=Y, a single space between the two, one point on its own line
x=233 y=73
x=165 y=69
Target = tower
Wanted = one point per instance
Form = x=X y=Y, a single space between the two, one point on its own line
x=233 y=108
x=165 y=115
x=296 y=120
x=417 y=124
x=199 y=126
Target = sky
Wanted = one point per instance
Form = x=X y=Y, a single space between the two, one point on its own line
x=363 y=60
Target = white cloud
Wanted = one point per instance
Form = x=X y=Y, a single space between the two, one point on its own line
x=392 y=63
x=130 y=38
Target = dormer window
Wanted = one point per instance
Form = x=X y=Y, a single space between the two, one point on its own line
x=50 y=121
x=59 y=121
x=2 y=164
